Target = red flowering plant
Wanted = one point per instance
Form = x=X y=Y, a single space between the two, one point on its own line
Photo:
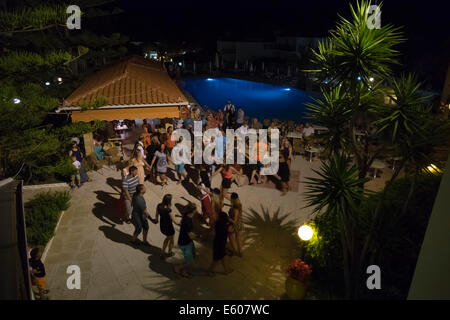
x=299 y=270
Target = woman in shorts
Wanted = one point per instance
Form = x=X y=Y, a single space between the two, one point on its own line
x=227 y=177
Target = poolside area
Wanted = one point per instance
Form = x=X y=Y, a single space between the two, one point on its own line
x=258 y=99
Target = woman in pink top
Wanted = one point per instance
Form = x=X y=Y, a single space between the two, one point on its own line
x=227 y=176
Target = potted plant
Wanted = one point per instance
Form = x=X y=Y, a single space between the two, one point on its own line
x=298 y=275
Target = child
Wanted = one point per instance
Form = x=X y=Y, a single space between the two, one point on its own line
x=38 y=271
x=76 y=176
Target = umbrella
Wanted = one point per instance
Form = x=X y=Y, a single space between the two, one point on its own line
x=236 y=64
x=193 y=66
x=217 y=61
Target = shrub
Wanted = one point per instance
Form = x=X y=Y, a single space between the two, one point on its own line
x=42 y=214
x=64 y=168
x=397 y=242
x=399 y=237
x=324 y=253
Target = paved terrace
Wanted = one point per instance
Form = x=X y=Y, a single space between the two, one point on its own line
x=111 y=268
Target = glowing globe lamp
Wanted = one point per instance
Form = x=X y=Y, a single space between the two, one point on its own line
x=305 y=232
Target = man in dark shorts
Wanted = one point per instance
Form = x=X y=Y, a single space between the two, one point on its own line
x=140 y=215
x=186 y=243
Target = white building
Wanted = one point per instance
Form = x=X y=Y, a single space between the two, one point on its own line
x=283 y=47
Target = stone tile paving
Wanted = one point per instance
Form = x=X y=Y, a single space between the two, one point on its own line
x=111 y=268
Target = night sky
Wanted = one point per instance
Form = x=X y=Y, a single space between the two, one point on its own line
x=426 y=24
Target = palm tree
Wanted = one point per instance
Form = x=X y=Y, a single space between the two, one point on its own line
x=409 y=124
x=332 y=111
x=338 y=191
x=352 y=57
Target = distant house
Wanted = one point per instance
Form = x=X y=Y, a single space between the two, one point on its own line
x=284 y=47
x=132 y=88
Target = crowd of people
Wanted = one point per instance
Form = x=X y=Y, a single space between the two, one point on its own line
x=226 y=225
x=150 y=164
x=150 y=161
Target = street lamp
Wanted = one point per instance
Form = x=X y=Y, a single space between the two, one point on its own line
x=305 y=232
x=16 y=100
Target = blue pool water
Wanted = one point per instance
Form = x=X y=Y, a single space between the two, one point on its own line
x=260 y=100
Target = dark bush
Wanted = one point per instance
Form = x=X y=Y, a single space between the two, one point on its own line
x=397 y=242
x=42 y=214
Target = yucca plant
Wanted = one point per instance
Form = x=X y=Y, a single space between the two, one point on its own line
x=354 y=50
x=338 y=191
x=332 y=112
x=409 y=124
x=357 y=59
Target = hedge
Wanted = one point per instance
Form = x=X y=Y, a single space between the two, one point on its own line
x=42 y=214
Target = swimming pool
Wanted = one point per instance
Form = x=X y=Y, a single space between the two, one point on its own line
x=260 y=100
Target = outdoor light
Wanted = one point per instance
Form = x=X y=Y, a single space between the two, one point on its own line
x=359 y=78
x=433 y=169
x=210 y=79
x=47 y=83
x=371 y=79
x=59 y=79
x=305 y=232
x=180 y=64
x=16 y=100
x=287 y=89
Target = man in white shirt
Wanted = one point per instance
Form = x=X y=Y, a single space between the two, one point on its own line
x=308 y=130
x=244 y=128
x=308 y=133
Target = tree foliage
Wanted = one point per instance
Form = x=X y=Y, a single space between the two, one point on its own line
x=39 y=66
x=370 y=112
